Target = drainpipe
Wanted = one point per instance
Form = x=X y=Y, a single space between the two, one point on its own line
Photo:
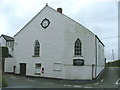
x=105 y=62
x=96 y=56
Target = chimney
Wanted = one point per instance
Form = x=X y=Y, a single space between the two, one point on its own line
x=59 y=10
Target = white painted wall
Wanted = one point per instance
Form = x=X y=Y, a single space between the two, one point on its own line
x=51 y=44
x=119 y=30
x=78 y=72
x=9 y=63
x=100 y=58
x=2 y=42
x=73 y=31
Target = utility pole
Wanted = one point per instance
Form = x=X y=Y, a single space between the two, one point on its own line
x=113 y=54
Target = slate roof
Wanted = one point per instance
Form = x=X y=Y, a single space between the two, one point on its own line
x=7 y=38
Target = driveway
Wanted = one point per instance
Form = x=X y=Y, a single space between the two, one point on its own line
x=109 y=80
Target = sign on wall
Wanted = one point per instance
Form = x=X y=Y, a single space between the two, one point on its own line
x=57 y=66
x=78 y=62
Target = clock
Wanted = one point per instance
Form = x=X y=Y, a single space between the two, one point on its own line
x=45 y=23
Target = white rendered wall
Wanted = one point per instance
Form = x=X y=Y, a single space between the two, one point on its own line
x=51 y=44
x=9 y=63
x=78 y=72
x=72 y=32
x=2 y=41
x=100 y=58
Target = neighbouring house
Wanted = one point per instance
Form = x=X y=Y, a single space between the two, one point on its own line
x=53 y=45
x=6 y=48
x=7 y=41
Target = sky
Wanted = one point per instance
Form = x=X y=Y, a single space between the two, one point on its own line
x=99 y=16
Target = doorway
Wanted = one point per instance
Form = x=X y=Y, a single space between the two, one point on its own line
x=22 y=69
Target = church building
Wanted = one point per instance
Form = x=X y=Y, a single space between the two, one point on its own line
x=52 y=45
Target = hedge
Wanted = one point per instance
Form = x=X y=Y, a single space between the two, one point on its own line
x=4 y=52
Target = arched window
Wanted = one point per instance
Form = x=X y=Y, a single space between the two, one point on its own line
x=37 y=48
x=78 y=48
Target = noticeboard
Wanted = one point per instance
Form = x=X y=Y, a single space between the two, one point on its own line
x=78 y=62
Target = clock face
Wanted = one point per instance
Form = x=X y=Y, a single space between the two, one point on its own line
x=45 y=23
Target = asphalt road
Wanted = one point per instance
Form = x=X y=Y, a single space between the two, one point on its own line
x=109 y=80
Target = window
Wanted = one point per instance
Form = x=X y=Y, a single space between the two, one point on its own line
x=6 y=44
x=10 y=44
x=38 y=66
x=77 y=48
x=12 y=48
x=36 y=48
x=38 y=69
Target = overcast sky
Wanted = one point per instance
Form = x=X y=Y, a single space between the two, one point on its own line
x=99 y=16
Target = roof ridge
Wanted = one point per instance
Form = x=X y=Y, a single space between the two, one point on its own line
x=8 y=38
x=7 y=35
x=58 y=13
x=30 y=20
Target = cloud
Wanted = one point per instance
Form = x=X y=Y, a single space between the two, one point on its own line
x=101 y=18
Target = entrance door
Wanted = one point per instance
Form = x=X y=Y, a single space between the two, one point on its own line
x=22 y=69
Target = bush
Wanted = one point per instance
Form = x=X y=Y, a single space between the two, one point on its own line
x=113 y=64
x=4 y=52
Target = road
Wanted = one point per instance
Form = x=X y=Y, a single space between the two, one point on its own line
x=109 y=80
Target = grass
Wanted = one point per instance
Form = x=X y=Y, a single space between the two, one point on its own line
x=0 y=79
x=113 y=64
x=4 y=82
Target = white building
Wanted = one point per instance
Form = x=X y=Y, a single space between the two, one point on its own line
x=55 y=46
x=7 y=41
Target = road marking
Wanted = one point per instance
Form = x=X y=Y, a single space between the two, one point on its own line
x=14 y=77
x=118 y=81
x=30 y=80
x=102 y=80
x=48 y=83
x=77 y=86
x=87 y=87
x=68 y=85
x=96 y=83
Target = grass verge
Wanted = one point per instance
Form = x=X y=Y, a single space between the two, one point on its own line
x=4 y=82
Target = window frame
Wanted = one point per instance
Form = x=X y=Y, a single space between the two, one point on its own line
x=78 y=48
x=36 y=49
x=38 y=67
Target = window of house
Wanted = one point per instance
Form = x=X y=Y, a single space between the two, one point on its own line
x=6 y=44
x=11 y=44
x=37 y=48
x=78 y=48
x=12 y=48
x=38 y=68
